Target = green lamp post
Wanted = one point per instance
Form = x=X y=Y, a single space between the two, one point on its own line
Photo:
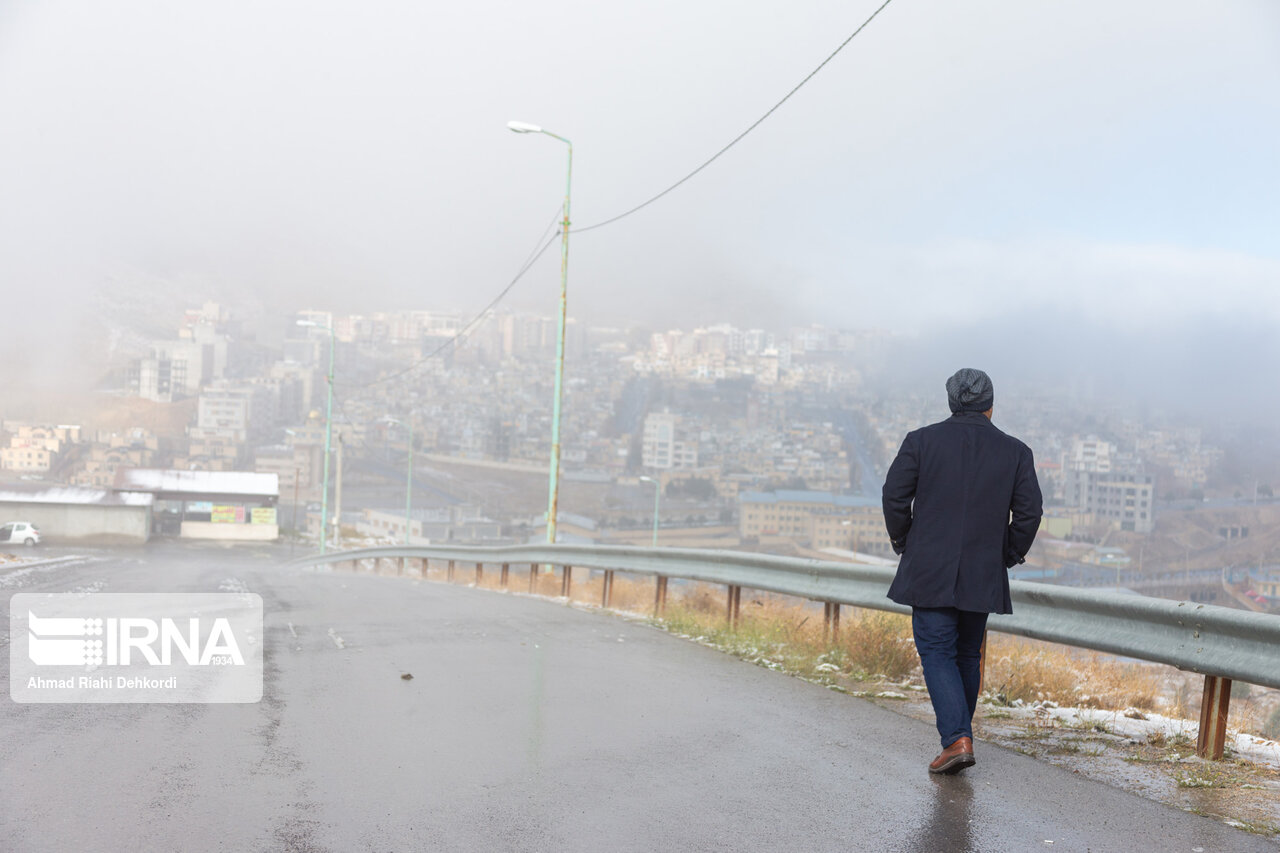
x=553 y=488
x=328 y=437
x=657 y=495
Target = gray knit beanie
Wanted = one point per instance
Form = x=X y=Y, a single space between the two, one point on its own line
x=969 y=390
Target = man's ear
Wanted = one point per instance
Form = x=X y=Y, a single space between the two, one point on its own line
x=989 y=411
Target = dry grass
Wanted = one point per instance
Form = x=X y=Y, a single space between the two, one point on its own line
x=786 y=633
x=1033 y=671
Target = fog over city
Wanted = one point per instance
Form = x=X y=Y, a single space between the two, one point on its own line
x=1084 y=184
x=883 y=317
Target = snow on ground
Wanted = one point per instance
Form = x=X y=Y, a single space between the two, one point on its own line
x=1141 y=724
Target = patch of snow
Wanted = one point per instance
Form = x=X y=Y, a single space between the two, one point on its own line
x=199 y=482
x=1256 y=750
x=75 y=495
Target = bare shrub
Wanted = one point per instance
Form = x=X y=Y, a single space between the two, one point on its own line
x=1027 y=670
x=878 y=643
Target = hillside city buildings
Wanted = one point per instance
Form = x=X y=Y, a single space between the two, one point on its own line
x=777 y=433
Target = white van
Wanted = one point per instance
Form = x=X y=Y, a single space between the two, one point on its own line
x=14 y=532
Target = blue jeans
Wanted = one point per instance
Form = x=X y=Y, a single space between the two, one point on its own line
x=949 y=642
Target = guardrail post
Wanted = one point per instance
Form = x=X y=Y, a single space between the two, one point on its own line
x=830 y=621
x=734 y=607
x=660 y=596
x=449 y=573
x=506 y=574
x=1213 y=717
x=982 y=663
x=566 y=580
x=423 y=565
x=404 y=563
x=606 y=595
x=479 y=573
x=533 y=577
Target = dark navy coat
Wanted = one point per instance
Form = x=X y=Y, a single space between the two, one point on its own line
x=962 y=504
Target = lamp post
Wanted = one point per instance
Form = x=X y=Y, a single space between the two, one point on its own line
x=293 y=540
x=328 y=436
x=297 y=472
x=853 y=539
x=657 y=494
x=408 y=488
x=553 y=488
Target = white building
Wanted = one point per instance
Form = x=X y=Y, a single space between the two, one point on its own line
x=1089 y=454
x=1087 y=458
x=175 y=369
x=663 y=447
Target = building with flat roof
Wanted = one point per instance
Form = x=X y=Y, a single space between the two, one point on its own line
x=431 y=526
x=227 y=505
x=814 y=519
x=77 y=514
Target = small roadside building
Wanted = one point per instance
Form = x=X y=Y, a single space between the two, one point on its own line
x=77 y=514
x=223 y=505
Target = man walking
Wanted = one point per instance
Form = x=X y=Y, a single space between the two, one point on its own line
x=962 y=505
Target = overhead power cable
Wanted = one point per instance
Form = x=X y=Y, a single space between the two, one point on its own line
x=555 y=218
x=471 y=325
x=740 y=136
x=540 y=250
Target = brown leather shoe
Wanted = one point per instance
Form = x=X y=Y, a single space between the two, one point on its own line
x=954 y=758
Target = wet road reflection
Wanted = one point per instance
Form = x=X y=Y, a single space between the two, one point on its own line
x=949 y=824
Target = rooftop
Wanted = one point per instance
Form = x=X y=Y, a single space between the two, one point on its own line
x=45 y=494
x=156 y=480
x=795 y=496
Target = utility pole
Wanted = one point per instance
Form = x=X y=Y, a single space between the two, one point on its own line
x=337 y=497
x=408 y=489
x=328 y=431
x=294 y=539
x=657 y=495
x=553 y=487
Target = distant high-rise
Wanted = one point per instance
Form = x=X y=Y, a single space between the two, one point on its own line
x=663 y=449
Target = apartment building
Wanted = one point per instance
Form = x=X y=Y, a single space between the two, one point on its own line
x=35 y=448
x=664 y=446
x=1098 y=481
x=110 y=452
x=814 y=519
x=1127 y=501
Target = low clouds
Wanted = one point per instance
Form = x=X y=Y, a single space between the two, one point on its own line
x=1102 y=165
x=929 y=287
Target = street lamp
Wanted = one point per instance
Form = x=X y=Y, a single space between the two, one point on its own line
x=328 y=435
x=854 y=537
x=553 y=488
x=657 y=493
x=408 y=488
x=297 y=473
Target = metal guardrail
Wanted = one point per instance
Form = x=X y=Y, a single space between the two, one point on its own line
x=1218 y=642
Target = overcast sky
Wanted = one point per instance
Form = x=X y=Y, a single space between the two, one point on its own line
x=958 y=165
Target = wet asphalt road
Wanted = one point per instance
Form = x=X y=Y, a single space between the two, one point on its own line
x=527 y=726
